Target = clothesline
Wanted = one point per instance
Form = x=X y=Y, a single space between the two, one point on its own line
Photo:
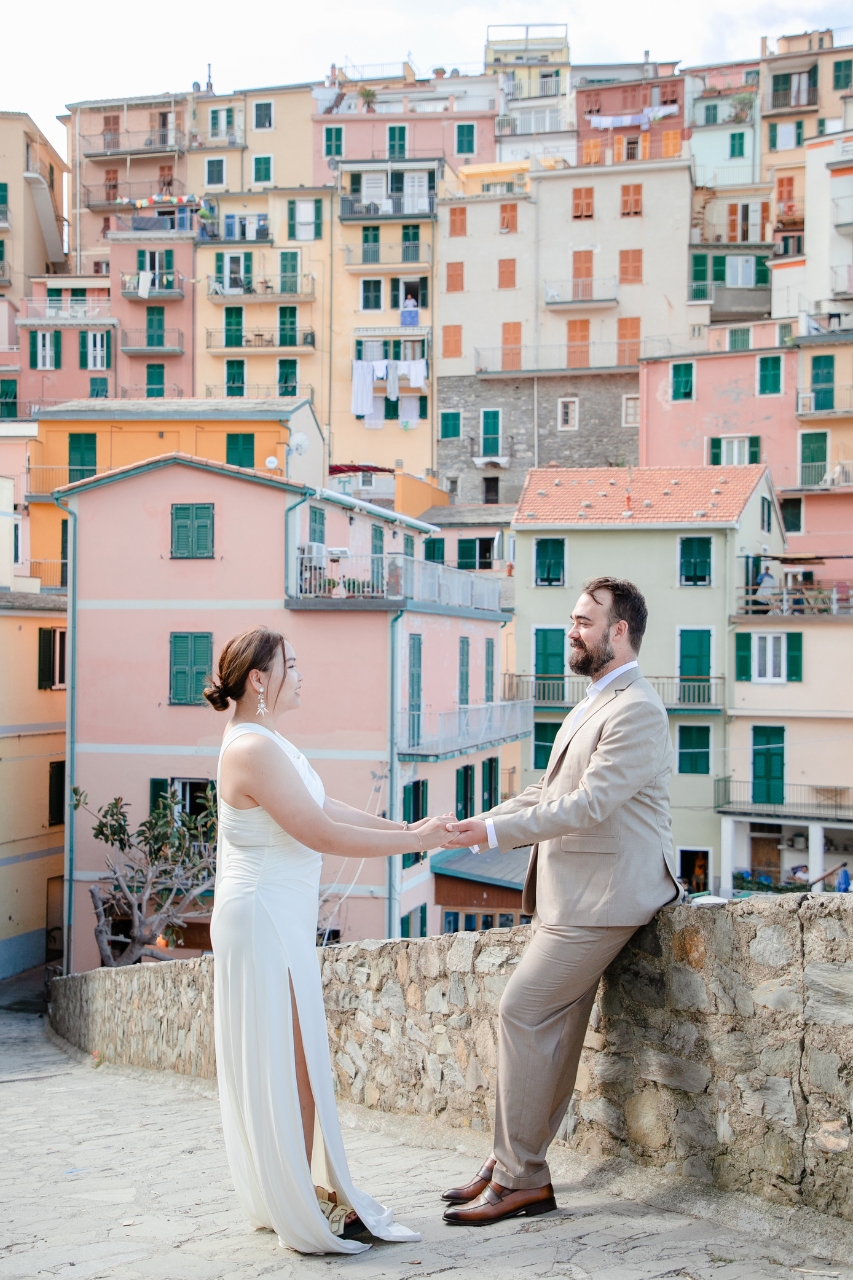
x=643 y=118
x=365 y=372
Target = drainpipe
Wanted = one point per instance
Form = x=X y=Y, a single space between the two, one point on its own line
x=394 y=865
x=331 y=301
x=70 y=743
x=310 y=493
x=77 y=209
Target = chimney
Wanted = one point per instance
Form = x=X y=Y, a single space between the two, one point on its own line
x=645 y=55
x=333 y=76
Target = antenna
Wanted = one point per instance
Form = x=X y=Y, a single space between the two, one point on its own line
x=209 y=85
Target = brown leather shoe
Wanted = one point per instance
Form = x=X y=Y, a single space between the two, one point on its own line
x=474 y=1188
x=497 y=1203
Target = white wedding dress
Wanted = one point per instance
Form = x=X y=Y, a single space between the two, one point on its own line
x=264 y=933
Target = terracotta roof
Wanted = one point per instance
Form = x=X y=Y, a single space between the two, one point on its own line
x=653 y=495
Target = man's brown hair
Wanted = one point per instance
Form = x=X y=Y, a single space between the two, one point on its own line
x=628 y=604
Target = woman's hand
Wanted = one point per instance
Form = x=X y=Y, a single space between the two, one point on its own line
x=430 y=832
x=441 y=817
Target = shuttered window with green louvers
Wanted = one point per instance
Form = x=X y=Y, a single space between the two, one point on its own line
x=192 y=530
x=190 y=662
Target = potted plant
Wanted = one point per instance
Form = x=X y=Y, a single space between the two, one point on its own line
x=368 y=97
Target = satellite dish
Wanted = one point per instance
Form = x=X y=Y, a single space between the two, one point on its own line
x=271 y=462
x=298 y=443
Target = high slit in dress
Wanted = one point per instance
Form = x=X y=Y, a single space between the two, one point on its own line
x=264 y=934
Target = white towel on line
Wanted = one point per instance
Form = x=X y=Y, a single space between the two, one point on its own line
x=362 y=388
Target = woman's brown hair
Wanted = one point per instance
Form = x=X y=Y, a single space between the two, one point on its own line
x=252 y=650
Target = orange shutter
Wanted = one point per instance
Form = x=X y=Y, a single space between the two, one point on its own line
x=458 y=221
x=451 y=340
x=628 y=333
x=506 y=273
x=618 y=149
x=578 y=344
x=645 y=146
x=582 y=274
x=509 y=217
x=582 y=202
x=511 y=345
x=455 y=277
x=731 y=235
x=592 y=151
x=671 y=143
x=631 y=266
x=765 y=218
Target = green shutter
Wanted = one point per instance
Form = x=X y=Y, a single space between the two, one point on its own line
x=317 y=525
x=795 y=656
x=451 y=425
x=550 y=651
x=460 y=794
x=694 y=659
x=700 y=268
x=771 y=136
x=84 y=349
x=202 y=664
x=386 y=355
x=203 y=530
x=544 y=734
x=191 y=658
x=34 y=349
x=247 y=272
x=694 y=749
x=423 y=408
x=466 y=553
x=550 y=562
x=318 y=218
x=182 y=530
x=769 y=375
x=240 y=449
x=716 y=451
x=57 y=348
x=179 y=667
x=158 y=790
x=392 y=410
x=768 y=764
x=233 y=326
x=696 y=562
x=141 y=259
x=289 y=268
x=82 y=455
x=109 y=348
x=434 y=550
x=762 y=272
x=743 y=655
x=718 y=269
x=423 y=292
x=755 y=448
x=291 y=219
x=155 y=326
x=169 y=259
x=359 y=349
x=220 y=268
x=464 y=669
x=396 y=349
x=490 y=671
x=798 y=131
x=395 y=293
x=287 y=327
x=408 y=789
x=47 y=640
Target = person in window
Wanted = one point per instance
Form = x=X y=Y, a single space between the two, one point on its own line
x=765 y=585
x=410 y=303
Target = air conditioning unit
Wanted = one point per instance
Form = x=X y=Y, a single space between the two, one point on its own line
x=314 y=554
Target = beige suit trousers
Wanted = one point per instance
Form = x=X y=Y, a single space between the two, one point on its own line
x=543 y=1018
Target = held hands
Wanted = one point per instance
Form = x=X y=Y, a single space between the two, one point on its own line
x=461 y=835
x=429 y=832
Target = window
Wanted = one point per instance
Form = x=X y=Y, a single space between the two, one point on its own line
x=214 y=172
x=842 y=75
x=491 y=796
x=465 y=792
x=451 y=341
x=155 y=326
x=768 y=658
x=766 y=515
x=813 y=456
x=544 y=733
x=768 y=764
x=509 y=218
x=792 y=514
x=751 y=76
x=8 y=398
x=823 y=382
x=451 y=922
x=434 y=550
x=567 y=413
x=51 y=658
x=262 y=168
x=409 y=545
x=511 y=345
x=464 y=669
x=577 y=353
x=491 y=490
x=288 y=382
x=305 y=219
x=694 y=748
x=316 y=524
x=192 y=530
x=415 y=691
x=190 y=663
x=45 y=349
x=738 y=339
x=465 y=139
x=550 y=562
x=632 y=200
x=233 y=326
x=628 y=335
x=451 y=425
x=736 y=146
x=769 y=375
x=56 y=793
x=734 y=451
x=82 y=455
x=455 y=277
x=235 y=378
x=99 y=389
x=459 y=221
x=786 y=332
x=396 y=142
x=630 y=266
x=694 y=665
x=582 y=202
x=334 y=140
x=155 y=381
x=695 y=562
x=371 y=295
x=263 y=115
x=287 y=331
x=682 y=381
x=630 y=411
x=221 y=122
x=506 y=273
x=490 y=425
x=489 y=686
x=710 y=113
x=240 y=449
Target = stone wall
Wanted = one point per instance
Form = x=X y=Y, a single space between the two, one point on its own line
x=720 y=1045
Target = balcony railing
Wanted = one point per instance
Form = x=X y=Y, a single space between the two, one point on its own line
x=182 y=219
x=169 y=391
x=104 y=195
x=387 y=255
x=726 y=175
x=814 y=598
x=5 y=271
x=628 y=147
x=221 y=138
x=569 y=293
x=213 y=229
x=55 y=309
x=394 y=577
x=543 y=87
x=581 y=355
x=53 y=573
x=122 y=141
x=164 y=285
x=842 y=214
x=728 y=112
x=567 y=691
x=446 y=733
x=842 y=280
x=700 y=291
x=791 y=211
x=257 y=391
x=791 y=98
x=4 y=217
x=402 y=206
x=833 y=397
x=522 y=123
x=141 y=342
x=43 y=480
x=254 y=339
x=261 y=288
x=772 y=799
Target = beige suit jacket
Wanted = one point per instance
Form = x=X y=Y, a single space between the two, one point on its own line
x=599 y=819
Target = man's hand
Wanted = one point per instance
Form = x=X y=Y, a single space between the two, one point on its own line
x=461 y=835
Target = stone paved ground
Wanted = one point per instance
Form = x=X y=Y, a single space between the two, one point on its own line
x=121 y=1173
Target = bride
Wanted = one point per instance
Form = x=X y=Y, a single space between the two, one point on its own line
x=279 y=1117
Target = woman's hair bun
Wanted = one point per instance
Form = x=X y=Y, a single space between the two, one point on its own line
x=254 y=649
x=217 y=697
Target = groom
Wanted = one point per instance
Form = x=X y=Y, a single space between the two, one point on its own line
x=602 y=865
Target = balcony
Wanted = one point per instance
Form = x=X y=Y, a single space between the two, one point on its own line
x=5 y=272
x=162 y=342
x=842 y=215
x=392 y=578
x=523 y=123
x=169 y=391
x=278 y=288
x=568 y=295
x=734 y=110
x=818 y=401
x=402 y=206
x=182 y=219
x=275 y=339
x=562 y=357
x=799 y=800
x=786 y=98
x=842 y=281
x=387 y=255
x=678 y=693
x=725 y=175
x=830 y=598
x=5 y=223
x=106 y=195
x=217 y=141
x=164 y=286
x=627 y=148
x=53 y=573
x=62 y=311
x=700 y=291
x=257 y=391
x=145 y=142
x=541 y=87
x=233 y=230
x=41 y=481
x=427 y=735
x=791 y=213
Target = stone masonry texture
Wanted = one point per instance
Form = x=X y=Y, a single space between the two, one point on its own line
x=720 y=1045
x=599 y=441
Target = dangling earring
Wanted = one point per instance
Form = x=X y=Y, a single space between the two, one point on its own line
x=262 y=706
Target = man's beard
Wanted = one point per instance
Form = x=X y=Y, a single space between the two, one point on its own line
x=588 y=661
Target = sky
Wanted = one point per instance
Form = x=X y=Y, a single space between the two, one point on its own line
x=127 y=50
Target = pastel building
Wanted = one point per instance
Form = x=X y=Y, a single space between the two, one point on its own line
x=401 y=707
x=532 y=64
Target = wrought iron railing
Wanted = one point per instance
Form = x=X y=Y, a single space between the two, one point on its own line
x=163 y=284
x=67 y=308
x=148 y=342
x=104 y=194
x=261 y=288
x=43 y=480
x=168 y=391
x=258 y=391
x=388 y=255
x=598 y=289
x=397 y=206
x=567 y=691
x=393 y=577
x=121 y=140
x=767 y=797
x=53 y=573
x=829 y=397
x=254 y=338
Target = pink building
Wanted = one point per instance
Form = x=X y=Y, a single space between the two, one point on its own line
x=401 y=702
x=741 y=402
